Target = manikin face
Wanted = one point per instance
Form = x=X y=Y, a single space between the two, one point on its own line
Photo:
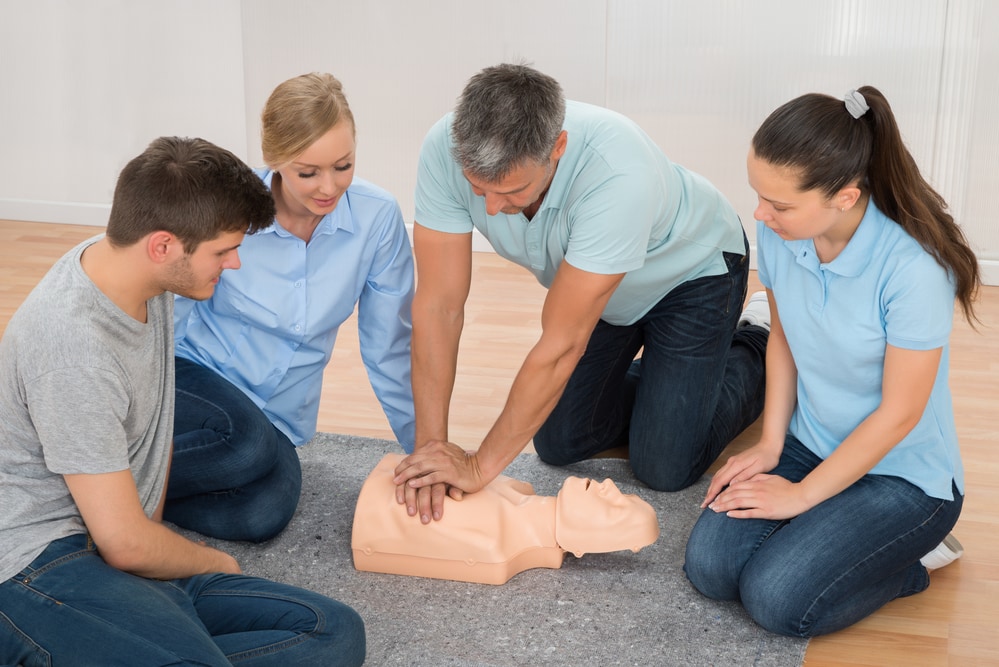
x=195 y=275
x=315 y=180
x=594 y=517
x=788 y=211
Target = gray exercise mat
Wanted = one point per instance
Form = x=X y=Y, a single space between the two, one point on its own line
x=601 y=609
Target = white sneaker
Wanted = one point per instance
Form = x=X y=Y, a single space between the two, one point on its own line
x=946 y=553
x=757 y=311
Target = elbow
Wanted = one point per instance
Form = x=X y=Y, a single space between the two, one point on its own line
x=127 y=555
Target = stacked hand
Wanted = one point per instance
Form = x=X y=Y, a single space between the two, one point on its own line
x=435 y=470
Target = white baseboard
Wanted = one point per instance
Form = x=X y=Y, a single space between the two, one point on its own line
x=66 y=213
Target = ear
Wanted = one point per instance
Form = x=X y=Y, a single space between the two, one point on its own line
x=560 y=145
x=847 y=197
x=162 y=246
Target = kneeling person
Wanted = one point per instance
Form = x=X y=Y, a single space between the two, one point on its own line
x=86 y=415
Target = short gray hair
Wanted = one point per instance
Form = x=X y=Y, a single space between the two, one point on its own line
x=506 y=115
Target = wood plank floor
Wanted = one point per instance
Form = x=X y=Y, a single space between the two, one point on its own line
x=953 y=623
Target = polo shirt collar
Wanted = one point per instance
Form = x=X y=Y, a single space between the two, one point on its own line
x=856 y=256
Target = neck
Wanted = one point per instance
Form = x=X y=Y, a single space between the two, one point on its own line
x=829 y=245
x=116 y=273
x=301 y=223
x=533 y=208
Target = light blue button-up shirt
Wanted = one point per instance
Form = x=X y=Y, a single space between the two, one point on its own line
x=270 y=327
x=838 y=317
x=615 y=205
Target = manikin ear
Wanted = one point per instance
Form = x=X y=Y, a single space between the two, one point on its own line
x=847 y=197
x=162 y=246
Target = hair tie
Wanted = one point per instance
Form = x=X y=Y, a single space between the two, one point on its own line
x=855 y=104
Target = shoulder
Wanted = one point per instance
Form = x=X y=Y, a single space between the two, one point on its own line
x=361 y=189
x=903 y=256
x=372 y=206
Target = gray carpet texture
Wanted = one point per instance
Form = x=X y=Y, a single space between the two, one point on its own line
x=602 y=609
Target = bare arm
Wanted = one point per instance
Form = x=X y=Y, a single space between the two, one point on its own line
x=130 y=541
x=781 y=398
x=572 y=308
x=908 y=381
x=444 y=274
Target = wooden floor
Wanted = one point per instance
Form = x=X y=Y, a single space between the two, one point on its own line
x=955 y=622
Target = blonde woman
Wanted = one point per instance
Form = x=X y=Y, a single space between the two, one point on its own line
x=250 y=360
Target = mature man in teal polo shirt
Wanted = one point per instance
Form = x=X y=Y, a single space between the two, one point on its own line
x=636 y=252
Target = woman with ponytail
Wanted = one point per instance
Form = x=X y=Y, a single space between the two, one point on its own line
x=848 y=499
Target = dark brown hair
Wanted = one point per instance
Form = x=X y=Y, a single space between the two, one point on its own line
x=818 y=137
x=190 y=188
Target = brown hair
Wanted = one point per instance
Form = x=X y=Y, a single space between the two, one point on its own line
x=190 y=188
x=297 y=113
x=821 y=140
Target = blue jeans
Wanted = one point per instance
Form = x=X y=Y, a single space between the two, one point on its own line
x=69 y=607
x=829 y=567
x=698 y=384
x=234 y=475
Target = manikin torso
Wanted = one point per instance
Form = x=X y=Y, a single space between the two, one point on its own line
x=502 y=530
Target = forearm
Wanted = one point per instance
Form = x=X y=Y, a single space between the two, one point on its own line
x=855 y=457
x=152 y=550
x=536 y=390
x=781 y=390
x=435 y=360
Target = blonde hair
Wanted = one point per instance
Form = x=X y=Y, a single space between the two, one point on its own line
x=297 y=113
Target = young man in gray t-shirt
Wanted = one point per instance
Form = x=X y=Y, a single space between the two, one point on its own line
x=86 y=417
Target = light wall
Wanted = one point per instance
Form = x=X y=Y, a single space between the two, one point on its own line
x=86 y=85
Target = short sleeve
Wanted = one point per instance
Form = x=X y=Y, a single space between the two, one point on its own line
x=440 y=196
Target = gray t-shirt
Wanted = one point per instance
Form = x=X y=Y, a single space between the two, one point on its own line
x=84 y=388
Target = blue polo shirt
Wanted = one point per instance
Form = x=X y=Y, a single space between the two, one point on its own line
x=882 y=289
x=270 y=327
x=616 y=205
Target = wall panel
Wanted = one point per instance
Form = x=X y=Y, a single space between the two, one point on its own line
x=85 y=86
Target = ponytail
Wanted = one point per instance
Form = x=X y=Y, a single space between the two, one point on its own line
x=832 y=143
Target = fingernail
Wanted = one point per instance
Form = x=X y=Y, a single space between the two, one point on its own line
x=425 y=518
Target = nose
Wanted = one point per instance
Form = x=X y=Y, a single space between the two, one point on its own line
x=761 y=213
x=494 y=203
x=327 y=183
x=232 y=261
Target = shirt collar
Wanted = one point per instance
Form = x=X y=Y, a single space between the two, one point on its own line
x=856 y=256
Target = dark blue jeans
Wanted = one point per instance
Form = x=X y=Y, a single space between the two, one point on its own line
x=69 y=607
x=829 y=567
x=234 y=475
x=698 y=384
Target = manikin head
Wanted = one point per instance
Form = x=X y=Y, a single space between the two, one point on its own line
x=592 y=517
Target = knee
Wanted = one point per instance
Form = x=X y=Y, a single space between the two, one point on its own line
x=658 y=474
x=706 y=572
x=775 y=608
x=554 y=456
x=344 y=638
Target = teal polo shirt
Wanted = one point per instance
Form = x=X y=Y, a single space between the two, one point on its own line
x=615 y=205
x=838 y=317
